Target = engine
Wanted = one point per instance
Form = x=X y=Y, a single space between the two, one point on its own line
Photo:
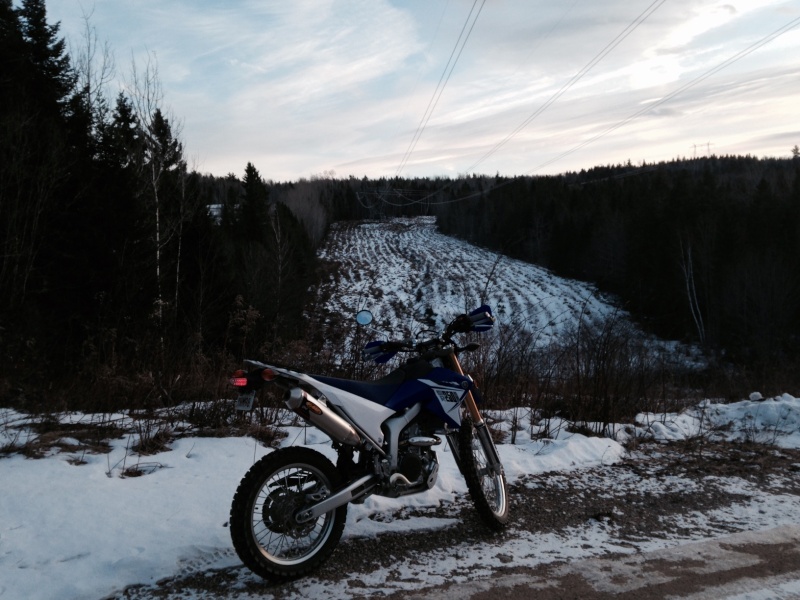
x=417 y=465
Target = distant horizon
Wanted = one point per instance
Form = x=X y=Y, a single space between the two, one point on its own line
x=336 y=177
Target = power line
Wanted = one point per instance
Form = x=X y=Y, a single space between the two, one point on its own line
x=437 y=94
x=632 y=26
x=738 y=56
x=428 y=51
x=726 y=63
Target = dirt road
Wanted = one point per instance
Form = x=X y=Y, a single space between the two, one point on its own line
x=764 y=565
x=677 y=521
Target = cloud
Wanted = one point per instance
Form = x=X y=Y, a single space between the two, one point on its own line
x=304 y=86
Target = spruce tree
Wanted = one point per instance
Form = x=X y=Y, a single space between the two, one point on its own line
x=46 y=53
x=253 y=218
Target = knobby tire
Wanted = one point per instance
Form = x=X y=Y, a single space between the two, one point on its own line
x=489 y=492
x=272 y=490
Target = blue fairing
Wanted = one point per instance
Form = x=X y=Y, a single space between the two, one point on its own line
x=416 y=391
x=379 y=392
x=372 y=351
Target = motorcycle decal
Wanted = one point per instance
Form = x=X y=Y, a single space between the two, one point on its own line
x=364 y=411
x=449 y=393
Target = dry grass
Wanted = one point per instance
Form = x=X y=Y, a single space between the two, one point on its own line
x=148 y=432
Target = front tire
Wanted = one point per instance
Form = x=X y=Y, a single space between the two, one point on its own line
x=265 y=534
x=486 y=486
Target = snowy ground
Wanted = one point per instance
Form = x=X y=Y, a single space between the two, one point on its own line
x=414 y=278
x=70 y=531
x=409 y=273
x=74 y=526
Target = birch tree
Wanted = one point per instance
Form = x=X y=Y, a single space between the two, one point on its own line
x=687 y=268
x=162 y=157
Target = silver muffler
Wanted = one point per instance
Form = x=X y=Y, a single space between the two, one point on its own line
x=320 y=415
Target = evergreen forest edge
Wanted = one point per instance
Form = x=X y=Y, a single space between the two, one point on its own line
x=120 y=286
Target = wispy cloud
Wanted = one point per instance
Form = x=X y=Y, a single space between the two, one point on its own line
x=304 y=86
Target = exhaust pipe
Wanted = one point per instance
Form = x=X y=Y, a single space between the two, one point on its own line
x=318 y=414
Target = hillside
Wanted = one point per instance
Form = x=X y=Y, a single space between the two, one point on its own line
x=405 y=270
x=413 y=277
x=701 y=249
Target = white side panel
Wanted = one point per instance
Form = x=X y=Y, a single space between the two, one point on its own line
x=366 y=414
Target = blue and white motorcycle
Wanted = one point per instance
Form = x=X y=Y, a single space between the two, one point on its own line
x=290 y=508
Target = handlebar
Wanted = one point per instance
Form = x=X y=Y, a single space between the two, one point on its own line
x=479 y=320
x=482 y=320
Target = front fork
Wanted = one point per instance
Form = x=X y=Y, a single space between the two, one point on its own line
x=481 y=430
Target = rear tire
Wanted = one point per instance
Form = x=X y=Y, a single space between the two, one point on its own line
x=488 y=489
x=265 y=534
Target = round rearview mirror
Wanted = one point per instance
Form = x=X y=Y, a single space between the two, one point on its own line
x=364 y=317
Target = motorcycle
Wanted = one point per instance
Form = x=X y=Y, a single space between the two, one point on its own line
x=289 y=510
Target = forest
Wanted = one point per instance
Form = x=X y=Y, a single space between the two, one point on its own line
x=126 y=274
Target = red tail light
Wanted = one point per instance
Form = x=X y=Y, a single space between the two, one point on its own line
x=238 y=379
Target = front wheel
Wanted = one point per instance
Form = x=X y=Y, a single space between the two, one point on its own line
x=266 y=535
x=486 y=484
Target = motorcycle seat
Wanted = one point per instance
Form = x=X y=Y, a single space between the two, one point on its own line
x=377 y=391
x=381 y=390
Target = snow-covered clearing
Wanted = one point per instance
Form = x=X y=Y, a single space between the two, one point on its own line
x=414 y=279
x=408 y=273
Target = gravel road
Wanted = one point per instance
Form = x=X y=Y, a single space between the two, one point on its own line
x=674 y=514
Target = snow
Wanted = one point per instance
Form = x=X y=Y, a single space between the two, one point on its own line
x=770 y=421
x=73 y=526
x=414 y=278
x=399 y=269
x=83 y=531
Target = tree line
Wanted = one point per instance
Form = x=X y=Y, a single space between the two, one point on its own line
x=117 y=278
x=705 y=250
x=128 y=277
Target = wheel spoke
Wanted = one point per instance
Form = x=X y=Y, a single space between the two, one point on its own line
x=486 y=481
x=274 y=527
x=264 y=529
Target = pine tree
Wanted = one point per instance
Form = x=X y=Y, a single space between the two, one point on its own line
x=47 y=55
x=253 y=217
x=33 y=157
x=12 y=49
x=121 y=141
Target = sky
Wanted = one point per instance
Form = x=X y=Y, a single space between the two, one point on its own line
x=432 y=88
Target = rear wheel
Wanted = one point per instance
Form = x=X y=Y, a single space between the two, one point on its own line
x=265 y=533
x=487 y=485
